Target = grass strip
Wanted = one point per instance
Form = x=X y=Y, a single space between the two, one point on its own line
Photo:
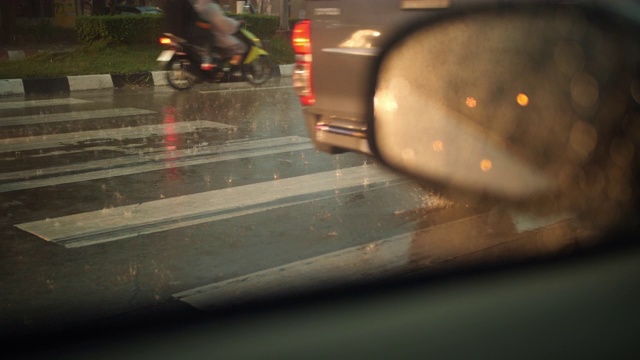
x=103 y=58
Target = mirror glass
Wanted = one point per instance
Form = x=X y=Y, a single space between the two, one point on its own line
x=517 y=103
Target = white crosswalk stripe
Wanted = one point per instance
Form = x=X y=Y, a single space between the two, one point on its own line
x=37 y=103
x=99 y=169
x=72 y=116
x=378 y=259
x=57 y=140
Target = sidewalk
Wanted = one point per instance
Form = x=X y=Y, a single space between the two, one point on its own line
x=68 y=84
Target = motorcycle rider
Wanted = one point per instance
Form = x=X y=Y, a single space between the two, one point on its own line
x=222 y=29
x=203 y=23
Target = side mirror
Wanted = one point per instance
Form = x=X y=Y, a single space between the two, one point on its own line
x=517 y=102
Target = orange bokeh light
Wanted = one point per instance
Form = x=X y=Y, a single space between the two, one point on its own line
x=471 y=102
x=522 y=99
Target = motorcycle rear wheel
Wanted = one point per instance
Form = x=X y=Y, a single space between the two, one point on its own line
x=259 y=70
x=178 y=76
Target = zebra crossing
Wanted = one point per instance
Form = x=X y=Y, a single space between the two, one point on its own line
x=23 y=170
x=240 y=183
x=105 y=225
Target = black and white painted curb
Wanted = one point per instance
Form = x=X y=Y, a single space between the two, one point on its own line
x=13 y=55
x=68 y=84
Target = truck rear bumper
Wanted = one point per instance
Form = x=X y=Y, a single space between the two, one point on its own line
x=334 y=135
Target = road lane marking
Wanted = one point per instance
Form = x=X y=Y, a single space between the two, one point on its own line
x=57 y=140
x=154 y=156
x=247 y=89
x=72 y=116
x=350 y=264
x=38 y=103
x=136 y=164
x=451 y=244
x=128 y=221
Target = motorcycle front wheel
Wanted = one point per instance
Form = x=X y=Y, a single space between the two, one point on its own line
x=259 y=70
x=178 y=76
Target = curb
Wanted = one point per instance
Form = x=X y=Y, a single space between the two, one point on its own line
x=13 y=55
x=68 y=84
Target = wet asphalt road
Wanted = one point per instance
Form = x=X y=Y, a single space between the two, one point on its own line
x=117 y=200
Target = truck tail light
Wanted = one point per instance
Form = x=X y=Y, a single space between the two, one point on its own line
x=302 y=81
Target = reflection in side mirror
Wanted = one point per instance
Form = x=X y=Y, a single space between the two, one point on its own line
x=518 y=102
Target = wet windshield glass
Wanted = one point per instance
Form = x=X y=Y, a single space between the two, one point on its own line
x=121 y=200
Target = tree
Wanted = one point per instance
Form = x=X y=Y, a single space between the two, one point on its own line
x=284 y=16
x=8 y=13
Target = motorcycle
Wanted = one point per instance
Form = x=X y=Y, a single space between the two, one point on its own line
x=182 y=62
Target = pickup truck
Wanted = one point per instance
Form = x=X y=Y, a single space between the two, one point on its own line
x=336 y=47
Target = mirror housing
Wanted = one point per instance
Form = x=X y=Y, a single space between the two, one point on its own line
x=517 y=102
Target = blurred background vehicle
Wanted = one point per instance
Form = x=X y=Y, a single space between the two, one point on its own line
x=135 y=10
